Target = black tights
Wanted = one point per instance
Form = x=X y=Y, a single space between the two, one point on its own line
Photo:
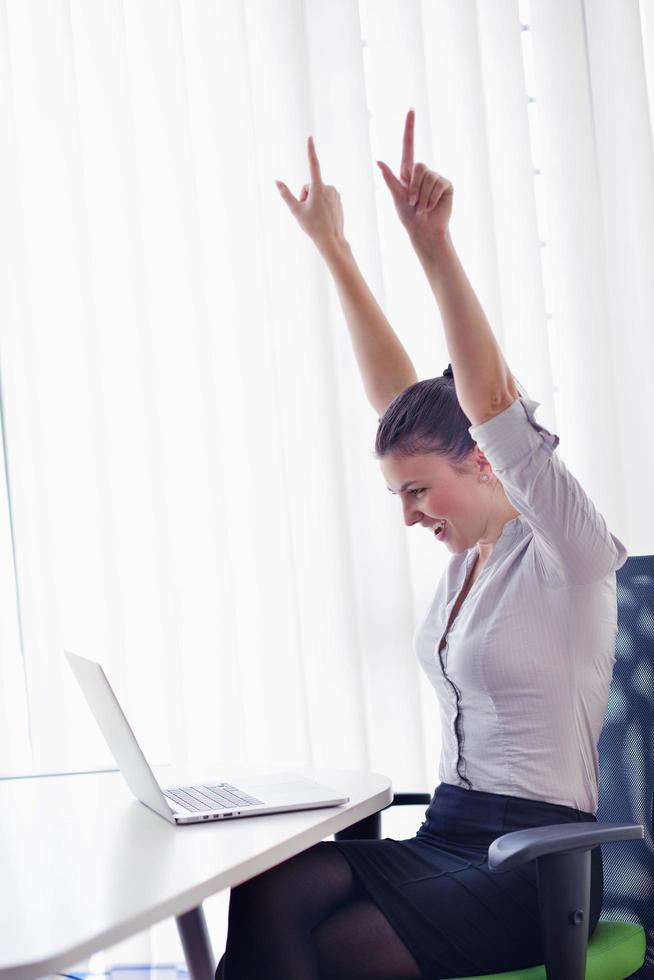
x=310 y=919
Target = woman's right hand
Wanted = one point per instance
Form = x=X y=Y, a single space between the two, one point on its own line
x=318 y=210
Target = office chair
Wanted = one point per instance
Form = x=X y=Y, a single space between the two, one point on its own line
x=623 y=942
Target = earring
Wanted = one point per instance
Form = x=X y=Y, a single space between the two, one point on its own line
x=483 y=478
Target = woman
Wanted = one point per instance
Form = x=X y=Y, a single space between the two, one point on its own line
x=518 y=643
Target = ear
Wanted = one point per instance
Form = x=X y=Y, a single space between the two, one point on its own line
x=480 y=460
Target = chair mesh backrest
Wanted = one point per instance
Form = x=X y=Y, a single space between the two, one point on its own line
x=626 y=754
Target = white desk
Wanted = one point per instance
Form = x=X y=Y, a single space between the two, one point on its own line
x=84 y=865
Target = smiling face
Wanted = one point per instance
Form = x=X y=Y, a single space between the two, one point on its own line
x=475 y=510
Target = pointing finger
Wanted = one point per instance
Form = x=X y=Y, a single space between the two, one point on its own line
x=314 y=166
x=406 y=168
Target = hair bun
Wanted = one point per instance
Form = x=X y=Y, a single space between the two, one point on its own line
x=448 y=372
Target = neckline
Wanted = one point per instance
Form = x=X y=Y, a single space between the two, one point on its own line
x=501 y=534
x=466 y=572
x=471 y=551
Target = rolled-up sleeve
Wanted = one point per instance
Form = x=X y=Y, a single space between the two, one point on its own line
x=573 y=544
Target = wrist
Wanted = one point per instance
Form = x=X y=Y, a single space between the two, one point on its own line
x=434 y=250
x=334 y=249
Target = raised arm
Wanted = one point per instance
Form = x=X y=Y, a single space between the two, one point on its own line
x=423 y=200
x=385 y=366
x=484 y=383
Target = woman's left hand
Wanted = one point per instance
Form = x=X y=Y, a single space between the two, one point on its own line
x=423 y=199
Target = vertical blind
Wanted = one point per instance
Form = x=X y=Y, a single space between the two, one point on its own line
x=188 y=491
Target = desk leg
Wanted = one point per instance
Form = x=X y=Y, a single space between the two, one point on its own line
x=196 y=944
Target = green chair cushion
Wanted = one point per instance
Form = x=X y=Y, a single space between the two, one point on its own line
x=615 y=951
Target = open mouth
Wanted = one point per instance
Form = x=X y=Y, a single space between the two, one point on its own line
x=440 y=531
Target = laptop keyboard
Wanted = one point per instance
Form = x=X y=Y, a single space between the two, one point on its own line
x=222 y=796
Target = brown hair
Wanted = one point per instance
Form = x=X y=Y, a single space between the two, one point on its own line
x=426 y=418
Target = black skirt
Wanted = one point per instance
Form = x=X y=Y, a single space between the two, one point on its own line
x=458 y=918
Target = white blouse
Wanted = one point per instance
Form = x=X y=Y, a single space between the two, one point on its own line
x=532 y=648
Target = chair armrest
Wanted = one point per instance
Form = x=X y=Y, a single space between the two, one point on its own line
x=410 y=799
x=562 y=853
x=518 y=847
x=370 y=827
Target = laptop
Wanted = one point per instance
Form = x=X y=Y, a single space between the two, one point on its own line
x=213 y=800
